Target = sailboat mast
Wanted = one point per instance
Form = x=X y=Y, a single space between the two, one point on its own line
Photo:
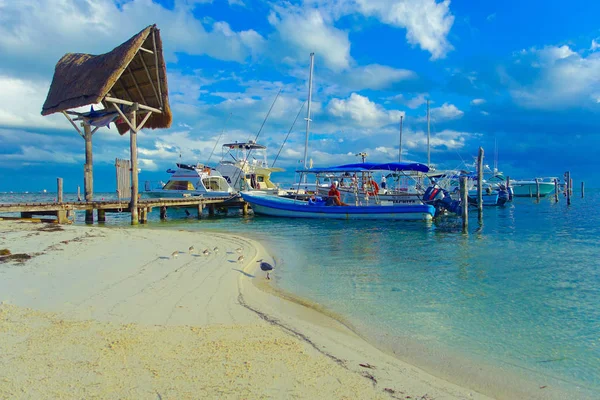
x=400 y=145
x=428 y=134
x=312 y=56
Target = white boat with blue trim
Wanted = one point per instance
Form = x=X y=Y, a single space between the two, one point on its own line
x=371 y=208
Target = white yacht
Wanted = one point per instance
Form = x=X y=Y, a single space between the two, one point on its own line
x=191 y=180
x=245 y=167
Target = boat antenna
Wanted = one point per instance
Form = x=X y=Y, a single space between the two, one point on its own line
x=288 y=134
x=400 y=145
x=312 y=60
x=428 y=135
x=219 y=138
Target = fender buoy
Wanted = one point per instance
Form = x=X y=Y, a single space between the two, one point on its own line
x=375 y=189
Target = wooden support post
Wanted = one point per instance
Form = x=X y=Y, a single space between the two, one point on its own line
x=200 y=209
x=101 y=215
x=582 y=189
x=464 y=203
x=245 y=209
x=510 y=193
x=569 y=182
x=556 y=190
x=211 y=210
x=78 y=193
x=480 y=183
x=537 y=189
x=163 y=213
x=88 y=179
x=61 y=217
x=133 y=206
x=59 y=190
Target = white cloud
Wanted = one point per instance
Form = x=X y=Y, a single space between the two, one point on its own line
x=477 y=102
x=491 y=17
x=300 y=31
x=595 y=45
x=375 y=77
x=362 y=111
x=555 y=77
x=446 y=112
x=427 y=22
x=412 y=103
x=35 y=34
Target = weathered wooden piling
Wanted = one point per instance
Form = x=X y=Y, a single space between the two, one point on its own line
x=582 y=189
x=101 y=215
x=211 y=210
x=480 y=184
x=88 y=171
x=537 y=189
x=78 y=193
x=464 y=203
x=163 y=213
x=556 y=190
x=245 y=209
x=200 y=210
x=569 y=182
x=61 y=215
x=510 y=194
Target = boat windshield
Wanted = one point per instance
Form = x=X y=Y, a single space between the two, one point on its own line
x=215 y=183
x=179 y=185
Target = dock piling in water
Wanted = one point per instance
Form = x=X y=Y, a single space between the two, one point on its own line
x=556 y=190
x=537 y=189
x=582 y=189
x=480 y=184
x=464 y=203
x=568 y=182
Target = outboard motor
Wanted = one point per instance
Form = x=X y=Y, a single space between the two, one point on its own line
x=503 y=195
x=440 y=199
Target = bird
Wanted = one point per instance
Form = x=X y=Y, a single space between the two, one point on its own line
x=191 y=249
x=239 y=249
x=240 y=259
x=216 y=249
x=174 y=254
x=206 y=252
x=265 y=266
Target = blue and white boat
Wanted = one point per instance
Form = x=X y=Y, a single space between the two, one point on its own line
x=371 y=208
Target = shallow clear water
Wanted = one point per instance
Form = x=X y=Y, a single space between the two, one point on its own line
x=519 y=295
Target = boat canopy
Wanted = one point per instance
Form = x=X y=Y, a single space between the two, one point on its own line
x=367 y=167
x=251 y=145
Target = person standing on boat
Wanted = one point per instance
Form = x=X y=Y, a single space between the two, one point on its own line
x=335 y=195
x=383 y=182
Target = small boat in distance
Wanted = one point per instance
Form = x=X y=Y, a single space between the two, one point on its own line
x=191 y=180
x=367 y=208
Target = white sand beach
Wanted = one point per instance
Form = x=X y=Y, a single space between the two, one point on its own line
x=132 y=313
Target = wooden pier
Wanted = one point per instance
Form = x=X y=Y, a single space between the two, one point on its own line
x=144 y=206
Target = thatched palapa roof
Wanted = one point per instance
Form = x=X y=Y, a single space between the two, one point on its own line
x=128 y=72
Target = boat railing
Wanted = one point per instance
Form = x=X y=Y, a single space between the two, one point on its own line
x=153 y=185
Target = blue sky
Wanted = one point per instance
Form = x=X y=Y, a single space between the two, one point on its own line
x=524 y=74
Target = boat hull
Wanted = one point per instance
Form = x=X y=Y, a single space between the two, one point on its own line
x=289 y=208
x=530 y=189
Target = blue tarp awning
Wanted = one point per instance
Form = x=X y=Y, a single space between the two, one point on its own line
x=367 y=167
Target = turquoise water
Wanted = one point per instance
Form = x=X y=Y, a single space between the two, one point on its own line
x=515 y=301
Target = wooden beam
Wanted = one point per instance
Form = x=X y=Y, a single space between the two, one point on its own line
x=146 y=50
x=125 y=89
x=150 y=80
x=124 y=117
x=135 y=82
x=95 y=129
x=130 y=103
x=141 y=125
x=157 y=66
x=73 y=123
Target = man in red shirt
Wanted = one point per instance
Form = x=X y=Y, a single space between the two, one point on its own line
x=335 y=195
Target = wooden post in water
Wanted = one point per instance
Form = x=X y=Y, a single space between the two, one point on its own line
x=464 y=203
x=59 y=190
x=211 y=210
x=78 y=193
x=245 y=209
x=556 y=190
x=569 y=181
x=537 y=189
x=101 y=215
x=200 y=209
x=510 y=195
x=582 y=189
x=88 y=173
x=571 y=184
x=163 y=213
x=480 y=183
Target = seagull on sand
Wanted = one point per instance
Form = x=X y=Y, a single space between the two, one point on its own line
x=239 y=249
x=191 y=249
x=206 y=252
x=265 y=266
x=174 y=254
x=240 y=259
x=216 y=249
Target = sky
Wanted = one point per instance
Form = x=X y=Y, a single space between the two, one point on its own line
x=521 y=79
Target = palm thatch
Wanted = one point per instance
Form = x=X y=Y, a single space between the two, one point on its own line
x=135 y=72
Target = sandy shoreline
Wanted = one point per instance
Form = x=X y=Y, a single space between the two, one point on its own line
x=109 y=312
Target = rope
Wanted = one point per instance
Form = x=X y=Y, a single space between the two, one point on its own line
x=288 y=134
x=217 y=142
